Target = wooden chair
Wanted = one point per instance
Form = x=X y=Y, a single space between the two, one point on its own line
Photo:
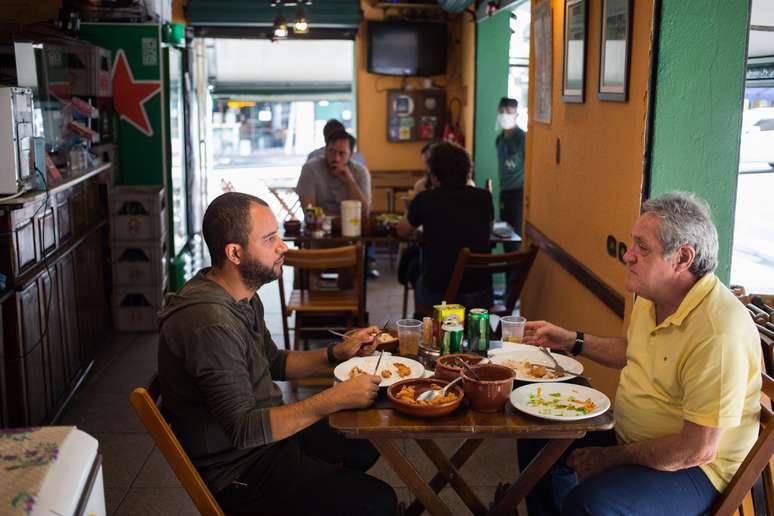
x=314 y=301
x=516 y=265
x=757 y=459
x=146 y=404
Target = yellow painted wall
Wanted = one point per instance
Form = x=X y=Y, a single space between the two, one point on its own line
x=594 y=191
x=372 y=95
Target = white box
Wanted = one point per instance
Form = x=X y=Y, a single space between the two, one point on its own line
x=139 y=262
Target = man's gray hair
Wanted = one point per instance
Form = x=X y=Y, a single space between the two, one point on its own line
x=686 y=220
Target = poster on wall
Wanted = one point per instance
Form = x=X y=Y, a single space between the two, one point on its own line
x=542 y=25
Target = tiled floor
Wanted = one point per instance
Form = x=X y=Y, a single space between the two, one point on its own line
x=137 y=478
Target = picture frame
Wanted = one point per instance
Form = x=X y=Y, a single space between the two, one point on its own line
x=615 y=43
x=574 y=59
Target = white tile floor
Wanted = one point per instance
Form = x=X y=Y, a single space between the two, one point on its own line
x=137 y=478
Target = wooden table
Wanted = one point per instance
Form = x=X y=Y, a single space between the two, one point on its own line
x=382 y=426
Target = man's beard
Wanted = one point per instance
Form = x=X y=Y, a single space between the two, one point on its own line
x=255 y=274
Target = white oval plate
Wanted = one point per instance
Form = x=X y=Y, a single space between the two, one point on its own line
x=506 y=347
x=535 y=356
x=367 y=364
x=542 y=400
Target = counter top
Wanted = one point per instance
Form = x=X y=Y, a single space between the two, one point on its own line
x=39 y=195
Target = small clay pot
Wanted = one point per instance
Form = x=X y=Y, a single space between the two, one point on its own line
x=446 y=366
x=492 y=390
x=292 y=227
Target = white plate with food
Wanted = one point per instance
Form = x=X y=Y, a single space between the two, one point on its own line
x=559 y=401
x=392 y=369
x=531 y=365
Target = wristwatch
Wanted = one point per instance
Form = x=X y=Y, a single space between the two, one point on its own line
x=332 y=360
x=577 y=348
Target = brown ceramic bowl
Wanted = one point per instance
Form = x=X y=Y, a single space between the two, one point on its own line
x=292 y=227
x=491 y=392
x=446 y=368
x=421 y=385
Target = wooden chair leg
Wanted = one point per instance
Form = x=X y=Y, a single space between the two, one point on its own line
x=286 y=331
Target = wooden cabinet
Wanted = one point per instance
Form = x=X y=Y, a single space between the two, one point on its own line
x=52 y=251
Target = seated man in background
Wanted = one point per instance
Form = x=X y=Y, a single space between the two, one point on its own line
x=327 y=180
x=332 y=126
x=452 y=215
x=686 y=410
x=217 y=367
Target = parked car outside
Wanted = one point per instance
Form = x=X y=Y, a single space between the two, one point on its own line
x=757 y=143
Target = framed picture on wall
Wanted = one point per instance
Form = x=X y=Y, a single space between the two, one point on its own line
x=573 y=69
x=614 y=49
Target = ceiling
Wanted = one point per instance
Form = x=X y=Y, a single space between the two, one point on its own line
x=761 y=41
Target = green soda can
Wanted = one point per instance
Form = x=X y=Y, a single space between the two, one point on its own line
x=478 y=331
x=451 y=337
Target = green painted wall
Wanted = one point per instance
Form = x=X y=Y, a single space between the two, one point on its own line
x=492 y=40
x=699 y=91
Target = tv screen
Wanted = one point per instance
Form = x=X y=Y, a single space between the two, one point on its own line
x=403 y=48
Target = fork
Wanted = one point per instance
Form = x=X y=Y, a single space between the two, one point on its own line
x=559 y=369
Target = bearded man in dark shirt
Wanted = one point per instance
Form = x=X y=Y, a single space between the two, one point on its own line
x=218 y=364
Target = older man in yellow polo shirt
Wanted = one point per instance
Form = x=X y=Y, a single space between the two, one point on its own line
x=686 y=410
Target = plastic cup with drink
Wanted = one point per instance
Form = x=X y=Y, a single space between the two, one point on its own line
x=409 y=335
x=513 y=328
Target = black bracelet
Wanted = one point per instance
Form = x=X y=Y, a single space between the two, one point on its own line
x=577 y=349
x=331 y=357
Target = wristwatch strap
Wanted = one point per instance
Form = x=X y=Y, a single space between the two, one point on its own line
x=331 y=357
x=577 y=348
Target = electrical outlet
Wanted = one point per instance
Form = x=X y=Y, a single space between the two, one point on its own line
x=612 y=243
x=621 y=252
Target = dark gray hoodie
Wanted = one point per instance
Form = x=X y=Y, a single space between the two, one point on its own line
x=217 y=363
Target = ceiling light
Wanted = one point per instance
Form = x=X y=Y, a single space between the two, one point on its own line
x=300 y=26
x=280 y=27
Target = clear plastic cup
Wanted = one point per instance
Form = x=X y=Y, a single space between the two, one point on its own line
x=513 y=328
x=409 y=335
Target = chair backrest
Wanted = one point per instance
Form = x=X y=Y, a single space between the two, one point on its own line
x=144 y=401
x=350 y=256
x=516 y=264
x=757 y=459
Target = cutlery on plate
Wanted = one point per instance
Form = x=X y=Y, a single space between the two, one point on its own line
x=559 y=369
x=376 y=369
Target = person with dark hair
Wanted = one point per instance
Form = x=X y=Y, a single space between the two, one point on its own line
x=327 y=180
x=452 y=215
x=332 y=126
x=510 y=144
x=218 y=365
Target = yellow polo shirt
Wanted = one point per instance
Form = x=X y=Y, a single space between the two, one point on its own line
x=701 y=364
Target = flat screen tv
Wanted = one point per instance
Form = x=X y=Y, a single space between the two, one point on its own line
x=404 y=48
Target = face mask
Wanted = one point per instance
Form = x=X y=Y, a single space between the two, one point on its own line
x=506 y=121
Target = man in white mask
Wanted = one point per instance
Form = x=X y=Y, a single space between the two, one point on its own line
x=510 y=145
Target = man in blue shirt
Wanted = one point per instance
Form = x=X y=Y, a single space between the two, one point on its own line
x=510 y=158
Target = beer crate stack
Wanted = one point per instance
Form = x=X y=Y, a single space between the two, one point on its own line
x=138 y=232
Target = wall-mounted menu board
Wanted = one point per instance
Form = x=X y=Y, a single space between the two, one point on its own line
x=415 y=114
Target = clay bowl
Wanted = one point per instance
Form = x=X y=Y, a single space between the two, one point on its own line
x=421 y=385
x=445 y=368
x=292 y=227
x=491 y=392
x=389 y=345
